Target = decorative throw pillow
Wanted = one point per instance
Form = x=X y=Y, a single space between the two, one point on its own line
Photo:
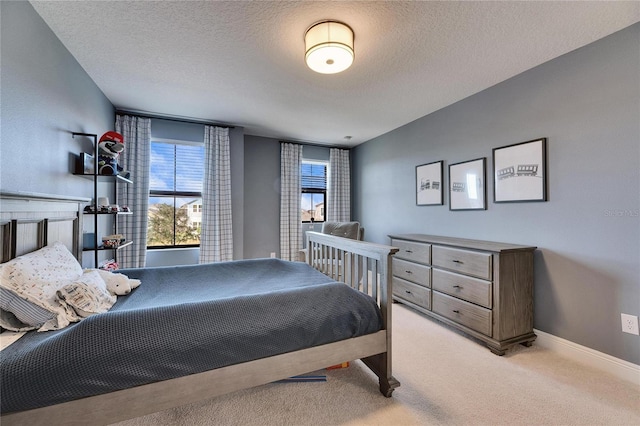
x=24 y=313
x=8 y=321
x=36 y=277
x=88 y=295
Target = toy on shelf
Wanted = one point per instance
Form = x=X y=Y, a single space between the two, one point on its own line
x=109 y=265
x=103 y=167
x=113 y=241
x=110 y=146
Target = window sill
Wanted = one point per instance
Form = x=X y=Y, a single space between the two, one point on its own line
x=172 y=248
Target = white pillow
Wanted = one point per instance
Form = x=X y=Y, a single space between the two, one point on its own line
x=37 y=276
x=87 y=295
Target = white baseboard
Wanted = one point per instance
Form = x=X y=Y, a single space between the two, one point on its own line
x=620 y=368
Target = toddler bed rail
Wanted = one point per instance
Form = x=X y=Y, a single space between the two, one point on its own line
x=361 y=265
x=366 y=267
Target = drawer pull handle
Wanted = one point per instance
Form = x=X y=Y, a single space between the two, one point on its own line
x=407 y=291
x=456 y=311
x=409 y=251
x=409 y=272
x=459 y=262
x=457 y=286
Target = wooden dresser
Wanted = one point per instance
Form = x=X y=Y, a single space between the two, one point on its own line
x=483 y=288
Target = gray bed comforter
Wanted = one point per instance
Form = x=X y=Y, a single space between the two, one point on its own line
x=184 y=320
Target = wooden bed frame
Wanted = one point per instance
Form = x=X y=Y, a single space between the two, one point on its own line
x=31 y=221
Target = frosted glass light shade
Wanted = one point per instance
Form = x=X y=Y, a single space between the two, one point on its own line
x=329 y=47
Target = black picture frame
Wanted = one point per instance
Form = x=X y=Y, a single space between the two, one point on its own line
x=429 y=184
x=87 y=163
x=467 y=185
x=520 y=172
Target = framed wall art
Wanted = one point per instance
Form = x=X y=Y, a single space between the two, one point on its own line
x=87 y=163
x=467 y=189
x=519 y=172
x=429 y=184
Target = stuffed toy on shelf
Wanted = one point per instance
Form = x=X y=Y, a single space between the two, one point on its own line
x=110 y=146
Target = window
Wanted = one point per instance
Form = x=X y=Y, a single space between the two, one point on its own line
x=314 y=191
x=175 y=194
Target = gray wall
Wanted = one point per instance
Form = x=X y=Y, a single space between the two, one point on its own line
x=262 y=194
x=237 y=152
x=587 y=103
x=175 y=129
x=46 y=95
x=261 y=197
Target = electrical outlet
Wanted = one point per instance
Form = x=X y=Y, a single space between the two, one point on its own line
x=273 y=254
x=629 y=323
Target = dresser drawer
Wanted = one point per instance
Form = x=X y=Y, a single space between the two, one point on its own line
x=414 y=272
x=415 y=252
x=465 y=313
x=463 y=287
x=412 y=292
x=467 y=262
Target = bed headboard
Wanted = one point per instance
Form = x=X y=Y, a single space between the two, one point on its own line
x=30 y=221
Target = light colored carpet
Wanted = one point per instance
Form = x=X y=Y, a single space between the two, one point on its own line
x=446 y=379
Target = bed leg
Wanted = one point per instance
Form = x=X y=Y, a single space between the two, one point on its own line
x=388 y=385
x=378 y=364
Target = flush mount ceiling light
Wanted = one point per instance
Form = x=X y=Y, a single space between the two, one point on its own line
x=329 y=47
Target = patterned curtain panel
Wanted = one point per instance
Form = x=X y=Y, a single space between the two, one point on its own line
x=290 y=210
x=339 y=192
x=136 y=158
x=216 y=237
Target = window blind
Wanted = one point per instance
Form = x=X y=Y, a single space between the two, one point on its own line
x=313 y=176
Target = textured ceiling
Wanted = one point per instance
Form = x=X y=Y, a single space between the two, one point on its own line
x=242 y=63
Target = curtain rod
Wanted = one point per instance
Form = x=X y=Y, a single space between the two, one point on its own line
x=170 y=118
x=317 y=144
x=196 y=121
